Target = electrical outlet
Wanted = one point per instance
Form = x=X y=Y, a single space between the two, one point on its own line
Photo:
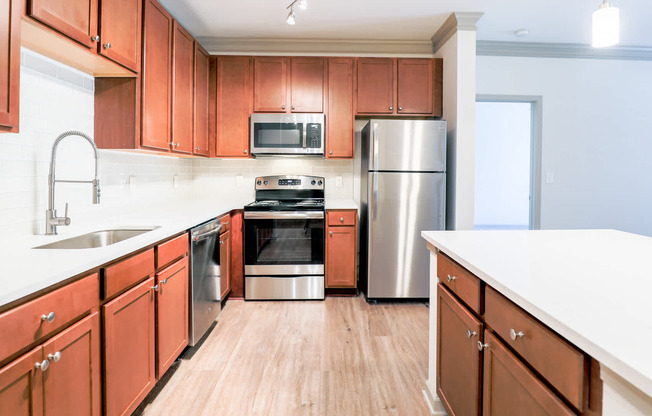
x=338 y=181
x=550 y=177
x=175 y=181
x=132 y=183
x=239 y=180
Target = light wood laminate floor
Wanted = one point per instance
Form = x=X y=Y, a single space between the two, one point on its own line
x=340 y=356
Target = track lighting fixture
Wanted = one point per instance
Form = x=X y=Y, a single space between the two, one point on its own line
x=292 y=17
x=606 y=25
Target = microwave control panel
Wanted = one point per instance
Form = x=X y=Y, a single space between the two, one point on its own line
x=313 y=135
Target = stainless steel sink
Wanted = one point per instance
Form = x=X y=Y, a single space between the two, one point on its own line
x=96 y=239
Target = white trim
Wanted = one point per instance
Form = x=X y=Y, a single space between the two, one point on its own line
x=316 y=47
x=456 y=21
x=561 y=50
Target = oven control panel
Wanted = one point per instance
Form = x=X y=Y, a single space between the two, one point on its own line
x=290 y=182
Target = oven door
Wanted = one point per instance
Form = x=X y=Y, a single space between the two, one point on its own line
x=284 y=243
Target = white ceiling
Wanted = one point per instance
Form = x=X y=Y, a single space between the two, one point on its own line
x=558 y=21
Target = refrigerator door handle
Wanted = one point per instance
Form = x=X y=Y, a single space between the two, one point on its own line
x=374 y=143
x=374 y=191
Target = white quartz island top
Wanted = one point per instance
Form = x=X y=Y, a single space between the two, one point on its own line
x=26 y=270
x=593 y=287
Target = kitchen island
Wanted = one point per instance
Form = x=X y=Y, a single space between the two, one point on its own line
x=590 y=287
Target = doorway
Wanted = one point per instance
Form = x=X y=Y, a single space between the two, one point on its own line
x=507 y=159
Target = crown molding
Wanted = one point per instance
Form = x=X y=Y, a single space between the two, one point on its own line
x=457 y=21
x=315 y=47
x=561 y=50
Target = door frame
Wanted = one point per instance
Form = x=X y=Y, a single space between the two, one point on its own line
x=536 y=104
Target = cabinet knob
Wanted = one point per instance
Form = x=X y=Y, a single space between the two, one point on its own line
x=197 y=149
x=246 y=151
x=341 y=219
x=49 y=318
x=515 y=335
x=155 y=287
x=107 y=45
x=482 y=346
x=330 y=152
x=330 y=233
x=293 y=107
x=165 y=282
x=450 y=278
x=283 y=107
x=391 y=108
x=43 y=365
x=95 y=38
x=400 y=108
x=55 y=357
x=470 y=333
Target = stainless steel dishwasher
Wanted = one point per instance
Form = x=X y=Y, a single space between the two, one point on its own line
x=204 y=290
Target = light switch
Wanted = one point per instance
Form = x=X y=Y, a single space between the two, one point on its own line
x=338 y=181
x=175 y=181
x=550 y=177
x=132 y=183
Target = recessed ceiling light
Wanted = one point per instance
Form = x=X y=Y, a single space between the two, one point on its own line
x=521 y=33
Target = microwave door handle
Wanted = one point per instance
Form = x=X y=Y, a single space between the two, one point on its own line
x=305 y=134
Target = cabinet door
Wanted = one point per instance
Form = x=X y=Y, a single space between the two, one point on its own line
x=237 y=254
x=183 y=49
x=459 y=373
x=510 y=388
x=129 y=346
x=270 y=85
x=21 y=390
x=307 y=85
x=339 y=118
x=76 y=19
x=120 y=37
x=414 y=86
x=233 y=106
x=376 y=85
x=156 y=76
x=340 y=257
x=71 y=385
x=10 y=11
x=202 y=66
x=225 y=264
x=171 y=314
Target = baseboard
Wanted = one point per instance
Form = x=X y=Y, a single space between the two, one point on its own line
x=434 y=404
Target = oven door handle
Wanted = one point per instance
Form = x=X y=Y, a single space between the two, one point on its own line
x=204 y=236
x=285 y=215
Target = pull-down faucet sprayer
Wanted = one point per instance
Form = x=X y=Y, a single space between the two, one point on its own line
x=51 y=219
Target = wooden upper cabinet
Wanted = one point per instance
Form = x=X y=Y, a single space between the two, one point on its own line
x=414 y=86
x=339 y=117
x=183 y=49
x=307 y=79
x=270 y=84
x=9 y=64
x=76 y=19
x=201 y=132
x=120 y=31
x=156 y=76
x=233 y=104
x=376 y=85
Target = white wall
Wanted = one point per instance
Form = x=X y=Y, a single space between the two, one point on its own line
x=55 y=98
x=596 y=136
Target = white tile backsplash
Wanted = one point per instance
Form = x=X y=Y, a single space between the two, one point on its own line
x=55 y=98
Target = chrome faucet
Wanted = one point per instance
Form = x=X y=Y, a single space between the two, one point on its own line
x=51 y=219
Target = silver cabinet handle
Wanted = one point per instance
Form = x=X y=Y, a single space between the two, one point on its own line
x=197 y=149
x=341 y=219
x=155 y=287
x=95 y=38
x=450 y=278
x=330 y=152
x=400 y=108
x=49 y=318
x=330 y=233
x=165 y=282
x=285 y=215
x=43 y=365
x=470 y=333
x=55 y=357
x=246 y=151
x=515 y=335
x=293 y=107
x=107 y=45
x=177 y=144
x=282 y=107
x=391 y=108
x=482 y=346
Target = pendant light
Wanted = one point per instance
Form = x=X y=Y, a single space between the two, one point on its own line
x=292 y=17
x=606 y=26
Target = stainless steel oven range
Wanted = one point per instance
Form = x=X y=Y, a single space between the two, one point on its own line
x=284 y=239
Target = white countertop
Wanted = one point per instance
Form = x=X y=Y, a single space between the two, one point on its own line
x=26 y=270
x=593 y=287
x=340 y=204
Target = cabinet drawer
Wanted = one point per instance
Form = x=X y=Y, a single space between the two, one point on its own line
x=460 y=281
x=564 y=366
x=225 y=221
x=23 y=325
x=336 y=218
x=171 y=250
x=124 y=274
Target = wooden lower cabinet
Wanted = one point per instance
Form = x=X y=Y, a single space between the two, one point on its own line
x=225 y=264
x=171 y=314
x=237 y=254
x=510 y=388
x=129 y=348
x=59 y=377
x=459 y=369
x=341 y=249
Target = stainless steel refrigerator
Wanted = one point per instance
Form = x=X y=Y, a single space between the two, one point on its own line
x=403 y=192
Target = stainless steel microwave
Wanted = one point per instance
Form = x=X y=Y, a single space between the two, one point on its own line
x=287 y=134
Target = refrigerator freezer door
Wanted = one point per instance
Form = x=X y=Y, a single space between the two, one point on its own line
x=400 y=206
x=407 y=145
